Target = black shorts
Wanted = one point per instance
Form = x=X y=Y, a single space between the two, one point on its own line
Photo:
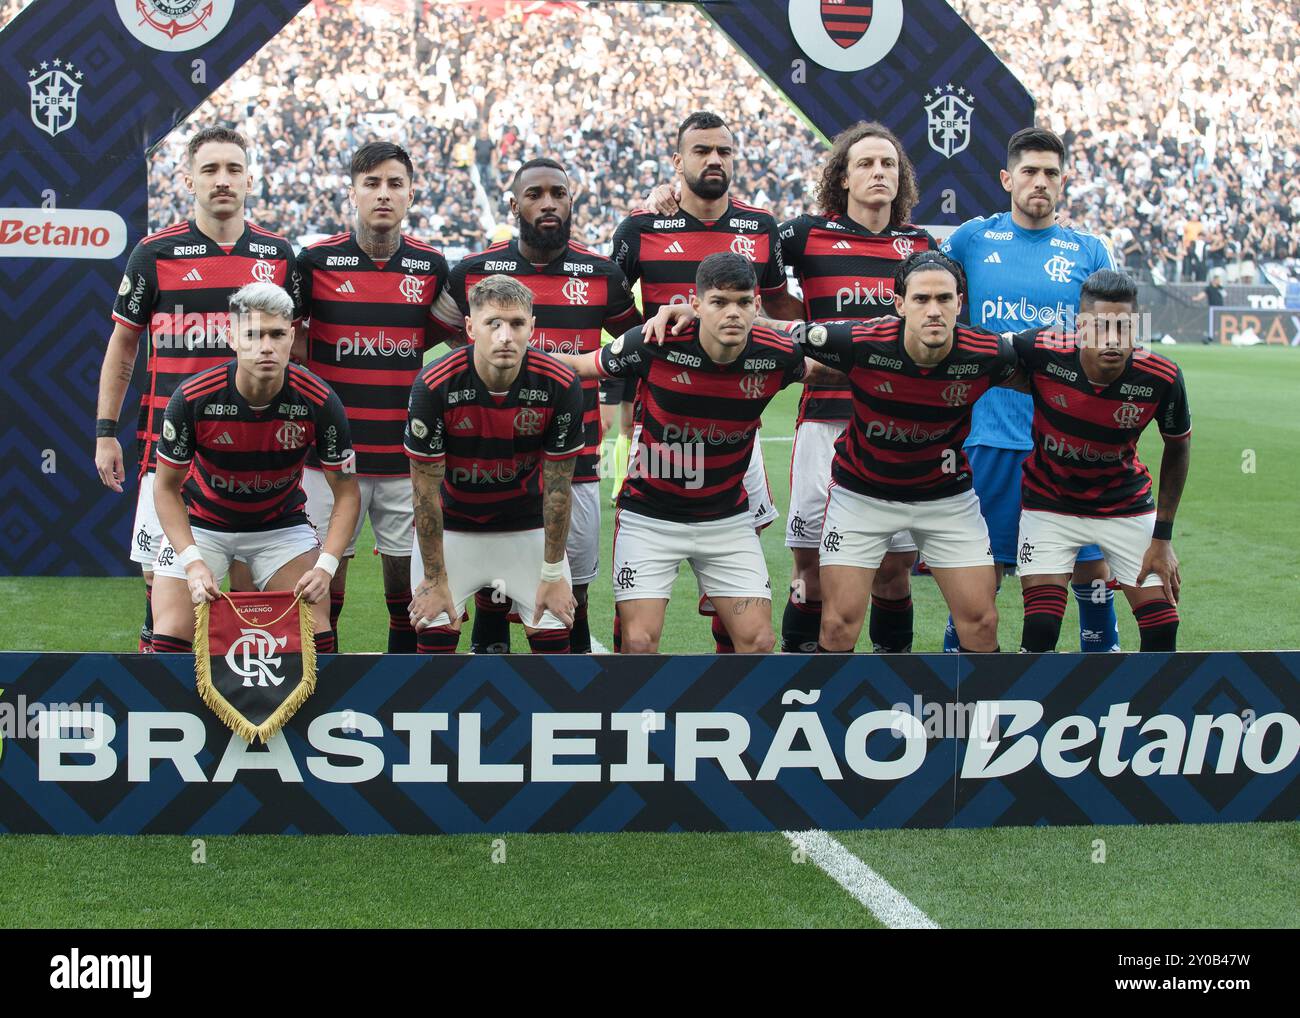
x=611 y=391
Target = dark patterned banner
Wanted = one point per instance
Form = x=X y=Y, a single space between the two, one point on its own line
x=404 y=744
x=915 y=66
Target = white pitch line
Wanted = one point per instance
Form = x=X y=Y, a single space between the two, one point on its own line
x=776 y=438
x=599 y=648
x=875 y=893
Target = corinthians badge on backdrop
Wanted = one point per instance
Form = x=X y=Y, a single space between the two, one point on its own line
x=949 y=111
x=54 y=86
x=254 y=659
x=175 y=25
x=846 y=35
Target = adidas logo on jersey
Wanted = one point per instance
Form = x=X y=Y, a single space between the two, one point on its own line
x=464 y=424
x=192 y=276
x=683 y=379
x=675 y=248
x=223 y=439
x=1059 y=399
x=347 y=287
x=885 y=387
x=841 y=245
x=994 y=259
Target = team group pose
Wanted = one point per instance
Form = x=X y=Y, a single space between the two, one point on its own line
x=979 y=403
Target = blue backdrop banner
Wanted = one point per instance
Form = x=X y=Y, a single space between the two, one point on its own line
x=402 y=744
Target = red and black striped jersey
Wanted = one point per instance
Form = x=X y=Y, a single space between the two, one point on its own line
x=1085 y=460
x=664 y=252
x=493 y=444
x=367 y=336
x=904 y=442
x=845 y=271
x=245 y=464
x=575 y=298
x=178 y=284
x=696 y=419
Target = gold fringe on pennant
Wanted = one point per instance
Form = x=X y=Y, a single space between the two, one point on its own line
x=221 y=707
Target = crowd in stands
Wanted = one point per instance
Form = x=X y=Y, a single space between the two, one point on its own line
x=1183 y=121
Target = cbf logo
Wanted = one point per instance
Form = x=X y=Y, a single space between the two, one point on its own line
x=1058 y=269
x=175 y=25
x=744 y=246
x=1127 y=415
x=254 y=656
x=846 y=35
x=949 y=116
x=412 y=288
x=575 y=290
x=54 y=96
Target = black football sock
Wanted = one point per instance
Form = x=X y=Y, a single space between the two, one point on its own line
x=580 y=633
x=891 y=624
x=146 y=631
x=618 y=632
x=327 y=642
x=1044 y=609
x=721 y=638
x=336 y=608
x=1157 y=626
x=491 y=632
x=163 y=644
x=437 y=640
x=401 y=634
x=549 y=641
x=800 y=623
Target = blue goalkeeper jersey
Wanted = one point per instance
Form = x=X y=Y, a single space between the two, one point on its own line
x=1020 y=279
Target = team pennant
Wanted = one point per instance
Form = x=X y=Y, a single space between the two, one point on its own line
x=255 y=659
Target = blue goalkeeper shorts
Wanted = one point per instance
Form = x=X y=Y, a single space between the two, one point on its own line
x=996 y=473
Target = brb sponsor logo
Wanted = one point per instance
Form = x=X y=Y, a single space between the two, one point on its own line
x=381 y=345
x=843 y=37
x=175 y=26
x=61 y=233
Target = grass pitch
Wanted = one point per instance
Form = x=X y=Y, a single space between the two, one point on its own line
x=1240 y=564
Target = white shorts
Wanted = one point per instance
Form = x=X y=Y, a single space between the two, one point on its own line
x=147 y=537
x=858 y=530
x=509 y=562
x=265 y=551
x=725 y=554
x=1049 y=543
x=762 y=510
x=583 y=549
x=387 y=500
x=810 y=478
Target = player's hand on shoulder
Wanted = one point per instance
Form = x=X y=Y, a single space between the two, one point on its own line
x=428 y=601
x=669 y=320
x=664 y=199
x=108 y=463
x=1161 y=561
x=556 y=597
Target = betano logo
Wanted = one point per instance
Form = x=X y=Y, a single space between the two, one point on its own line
x=61 y=233
x=997 y=743
x=847 y=40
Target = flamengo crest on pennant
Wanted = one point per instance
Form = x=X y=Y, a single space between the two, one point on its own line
x=949 y=111
x=54 y=96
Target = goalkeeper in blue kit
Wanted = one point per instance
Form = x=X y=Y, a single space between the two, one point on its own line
x=1025 y=271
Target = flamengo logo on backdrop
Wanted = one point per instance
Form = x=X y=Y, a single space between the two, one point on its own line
x=61 y=233
x=175 y=25
x=80 y=746
x=846 y=39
